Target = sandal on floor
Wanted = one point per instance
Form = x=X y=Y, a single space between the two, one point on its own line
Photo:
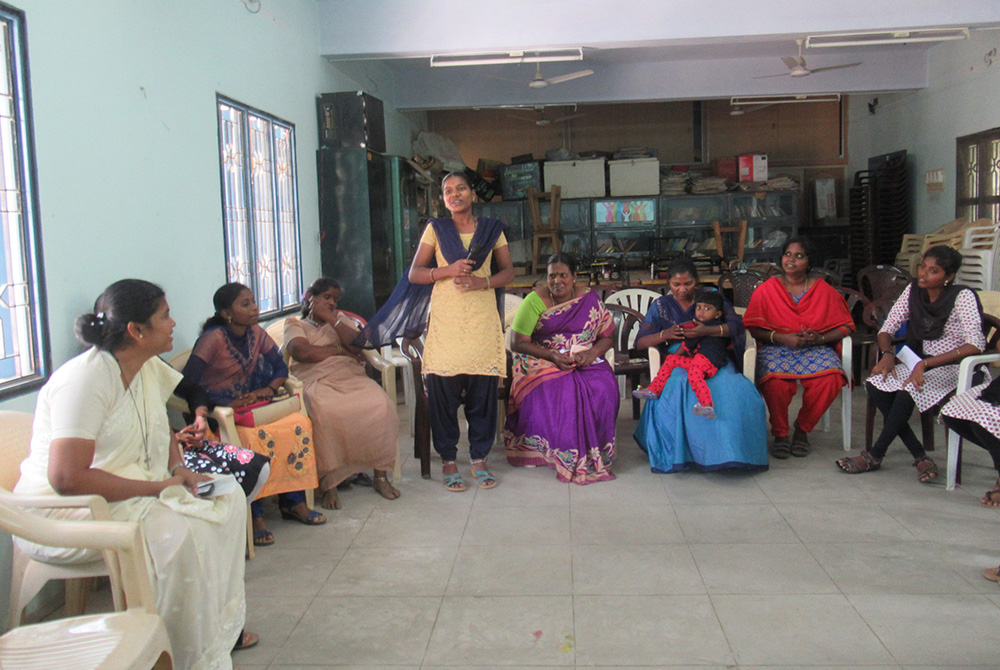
x=863 y=462
x=800 y=443
x=992 y=497
x=781 y=448
x=313 y=518
x=645 y=394
x=246 y=640
x=263 y=538
x=992 y=574
x=484 y=478
x=454 y=482
x=362 y=479
x=384 y=488
x=927 y=470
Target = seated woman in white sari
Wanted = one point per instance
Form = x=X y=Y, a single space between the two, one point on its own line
x=101 y=428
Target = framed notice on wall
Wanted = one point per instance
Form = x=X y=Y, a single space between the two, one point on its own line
x=826 y=198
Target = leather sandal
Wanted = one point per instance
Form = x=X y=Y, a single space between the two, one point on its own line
x=781 y=448
x=863 y=462
x=800 y=442
x=927 y=470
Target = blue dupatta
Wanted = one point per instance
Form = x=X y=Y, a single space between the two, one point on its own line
x=405 y=313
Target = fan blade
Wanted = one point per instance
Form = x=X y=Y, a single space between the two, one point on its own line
x=833 y=67
x=791 y=63
x=522 y=118
x=567 y=118
x=569 y=77
x=516 y=81
x=768 y=76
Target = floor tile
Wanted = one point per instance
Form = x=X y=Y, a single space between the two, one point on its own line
x=889 y=567
x=733 y=523
x=413 y=527
x=389 y=571
x=282 y=571
x=633 y=486
x=517 y=525
x=912 y=627
x=649 y=630
x=635 y=569
x=760 y=568
x=362 y=631
x=273 y=618
x=799 y=630
x=853 y=522
x=511 y=570
x=713 y=488
x=524 y=487
x=619 y=524
x=533 y=630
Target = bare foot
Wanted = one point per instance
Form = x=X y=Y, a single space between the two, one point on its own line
x=330 y=499
x=381 y=484
x=992 y=497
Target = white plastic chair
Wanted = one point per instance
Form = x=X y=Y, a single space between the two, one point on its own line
x=965 y=369
x=28 y=576
x=388 y=371
x=977 y=269
x=638 y=299
x=847 y=361
x=133 y=638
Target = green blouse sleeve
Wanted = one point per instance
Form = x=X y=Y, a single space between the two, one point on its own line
x=527 y=314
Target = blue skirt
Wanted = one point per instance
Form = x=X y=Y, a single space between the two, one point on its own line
x=676 y=440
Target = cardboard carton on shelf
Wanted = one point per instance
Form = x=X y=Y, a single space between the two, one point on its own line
x=727 y=168
x=753 y=167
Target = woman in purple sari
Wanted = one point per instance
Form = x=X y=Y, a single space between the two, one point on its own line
x=564 y=398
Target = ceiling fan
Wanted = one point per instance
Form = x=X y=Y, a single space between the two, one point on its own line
x=542 y=121
x=797 y=66
x=538 y=81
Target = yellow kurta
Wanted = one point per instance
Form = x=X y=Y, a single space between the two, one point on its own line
x=464 y=335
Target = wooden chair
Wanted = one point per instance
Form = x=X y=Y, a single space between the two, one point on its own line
x=28 y=576
x=740 y=229
x=132 y=637
x=544 y=231
x=991 y=330
x=737 y=286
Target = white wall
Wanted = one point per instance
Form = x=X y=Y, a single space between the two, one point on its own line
x=126 y=141
x=962 y=97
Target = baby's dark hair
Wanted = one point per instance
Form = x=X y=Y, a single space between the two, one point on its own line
x=710 y=297
x=122 y=303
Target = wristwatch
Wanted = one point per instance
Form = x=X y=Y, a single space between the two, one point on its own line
x=883 y=353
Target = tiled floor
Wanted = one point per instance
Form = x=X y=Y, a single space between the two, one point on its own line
x=797 y=567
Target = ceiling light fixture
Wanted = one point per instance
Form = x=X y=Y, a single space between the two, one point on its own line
x=507 y=57
x=886 y=37
x=783 y=99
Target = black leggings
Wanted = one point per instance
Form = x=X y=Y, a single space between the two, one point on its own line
x=896 y=407
x=972 y=431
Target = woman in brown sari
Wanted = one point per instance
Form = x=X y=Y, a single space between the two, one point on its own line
x=355 y=426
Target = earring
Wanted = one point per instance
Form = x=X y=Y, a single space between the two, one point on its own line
x=140 y=336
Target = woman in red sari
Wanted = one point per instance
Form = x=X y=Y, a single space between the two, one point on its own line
x=798 y=322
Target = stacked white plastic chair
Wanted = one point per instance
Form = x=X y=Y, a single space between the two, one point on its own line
x=979 y=257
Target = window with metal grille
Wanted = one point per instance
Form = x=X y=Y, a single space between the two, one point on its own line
x=24 y=355
x=977 y=195
x=260 y=205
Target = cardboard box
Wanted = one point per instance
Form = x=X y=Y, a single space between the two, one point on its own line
x=726 y=167
x=515 y=179
x=634 y=176
x=578 y=179
x=753 y=167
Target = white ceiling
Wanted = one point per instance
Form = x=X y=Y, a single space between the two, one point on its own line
x=640 y=50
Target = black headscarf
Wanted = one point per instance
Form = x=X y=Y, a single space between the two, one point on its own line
x=927 y=319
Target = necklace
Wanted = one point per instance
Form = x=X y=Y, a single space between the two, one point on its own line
x=143 y=419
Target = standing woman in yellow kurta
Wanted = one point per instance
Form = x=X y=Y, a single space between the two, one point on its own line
x=464 y=354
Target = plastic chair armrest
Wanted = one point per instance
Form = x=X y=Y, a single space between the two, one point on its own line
x=966 y=367
x=750 y=358
x=847 y=355
x=377 y=361
x=97 y=505
x=654 y=361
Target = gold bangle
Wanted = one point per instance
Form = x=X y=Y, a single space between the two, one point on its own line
x=721 y=332
x=772 y=337
x=432 y=274
x=176 y=467
x=488 y=287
